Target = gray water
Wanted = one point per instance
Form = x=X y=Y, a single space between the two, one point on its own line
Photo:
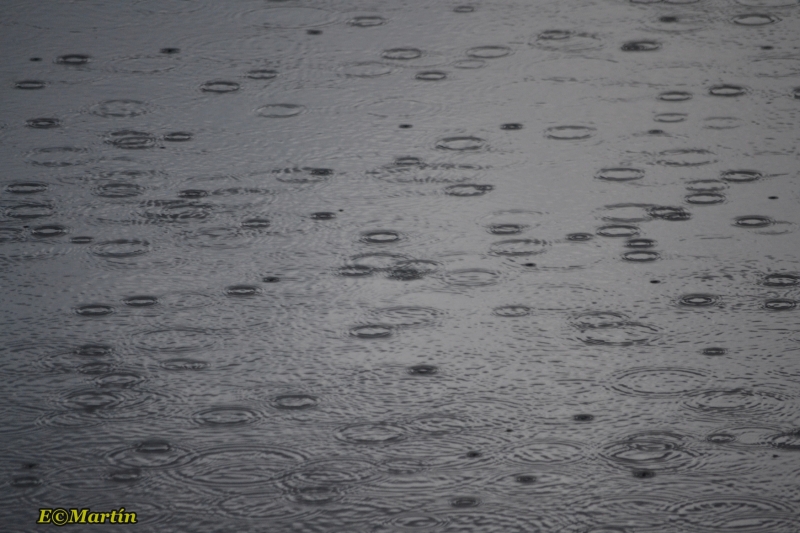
x=405 y=266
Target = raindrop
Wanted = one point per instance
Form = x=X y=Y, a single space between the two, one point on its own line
x=29 y=84
x=460 y=144
x=714 y=351
x=72 y=59
x=366 y=21
x=262 y=74
x=698 y=300
x=705 y=198
x=780 y=304
x=178 y=136
x=280 y=110
x=512 y=311
x=372 y=331
x=620 y=174
x=119 y=108
x=753 y=221
x=641 y=256
x=422 y=370
x=675 y=96
x=431 y=75
x=380 y=237
x=640 y=243
x=488 y=52
x=468 y=189
x=94 y=310
x=403 y=54
x=781 y=280
x=52 y=230
x=727 y=90
x=741 y=176
x=30 y=187
x=617 y=230
x=220 y=86
x=294 y=401
x=43 y=123
x=754 y=19
x=569 y=133
x=640 y=46
x=140 y=301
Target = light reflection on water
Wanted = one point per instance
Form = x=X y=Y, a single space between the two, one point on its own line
x=326 y=266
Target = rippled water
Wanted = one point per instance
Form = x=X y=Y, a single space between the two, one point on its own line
x=292 y=265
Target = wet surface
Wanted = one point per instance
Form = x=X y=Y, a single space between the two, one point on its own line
x=292 y=265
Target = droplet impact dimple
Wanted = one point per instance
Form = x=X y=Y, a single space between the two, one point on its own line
x=781 y=280
x=27 y=187
x=366 y=21
x=178 y=136
x=686 y=157
x=740 y=176
x=754 y=19
x=506 y=229
x=641 y=256
x=72 y=59
x=617 y=230
x=51 y=230
x=402 y=54
x=94 y=310
x=465 y=501
x=512 y=311
x=675 y=96
x=467 y=189
x=372 y=331
x=295 y=401
x=131 y=140
x=671 y=118
x=727 y=90
x=280 y=110
x=219 y=86
x=119 y=108
x=94 y=350
x=380 y=237
x=460 y=144
x=698 y=300
x=463 y=9
x=256 y=223
x=43 y=123
x=620 y=174
x=241 y=291
x=669 y=213
x=640 y=46
x=705 y=198
x=580 y=237
x=431 y=75
x=753 y=221
x=423 y=370
x=262 y=74
x=569 y=133
x=780 y=304
x=640 y=243
x=488 y=52
x=140 y=301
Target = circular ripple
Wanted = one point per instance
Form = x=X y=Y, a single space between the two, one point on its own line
x=26 y=187
x=118 y=189
x=781 y=280
x=226 y=416
x=727 y=90
x=671 y=118
x=372 y=331
x=789 y=440
x=43 y=123
x=380 y=237
x=431 y=75
x=722 y=123
x=58 y=156
x=370 y=434
x=119 y=108
x=408 y=317
x=131 y=140
x=239 y=465
x=52 y=230
x=675 y=96
x=460 y=144
x=518 y=247
x=469 y=63
x=569 y=133
x=512 y=311
x=730 y=513
x=580 y=237
x=658 y=382
x=366 y=21
x=737 y=402
x=618 y=230
x=566 y=41
x=468 y=189
x=669 y=213
x=219 y=86
x=242 y=291
x=402 y=54
x=741 y=176
x=423 y=370
x=641 y=256
x=545 y=453
x=30 y=84
x=175 y=340
x=366 y=69
x=183 y=364
x=262 y=74
x=698 y=300
x=488 y=52
x=471 y=277
x=753 y=221
x=121 y=248
x=506 y=229
x=94 y=310
x=780 y=304
x=654 y=451
x=755 y=19
x=714 y=351
x=280 y=110
x=294 y=402
x=705 y=198
x=72 y=59
x=151 y=453
x=640 y=46
x=620 y=174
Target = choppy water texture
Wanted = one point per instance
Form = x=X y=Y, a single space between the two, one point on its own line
x=306 y=266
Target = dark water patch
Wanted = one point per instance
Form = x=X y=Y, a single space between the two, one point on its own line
x=675 y=96
x=658 y=382
x=131 y=140
x=468 y=189
x=781 y=280
x=178 y=136
x=641 y=256
x=569 y=133
x=43 y=123
x=741 y=176
x=464 y=9
x=402 y=54
x=380 y=237
x=294 y=402
x=705 y=198
x=488 y=52
x=239 y=466
x=618 y=230
x=472 y=277
x=220 y=86
x=30 y=210
x=620 y=174
x=372 y=331
x=26 y=187
x=686 y=157
x=511 y=311
x=431 y=75
x=49 y=231
x=641 y=46
x=780 y=304
x=753 y=221
x=727 y=90
x=640 y=243
x=367 y=21
x=671 y=118
x=461 y=143
x=370 y=434
x=94 y=310
x=714 y=351
x=30 y=85
x=280 y=110
x=58 y=156
x=226 y=416
x=119 y=108
x=169 y=50
x=120 y=248
x=73 y=60
x=755 y=19
x=698 y=300
x=262 y=74
x=669 y=213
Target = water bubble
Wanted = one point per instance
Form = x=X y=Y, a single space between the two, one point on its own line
x=671 y=117
x=280 y=110
x=705 y=198
x=714 y=351
x=219 y=86
x=422 y=370
x=753 y=221
x=686 y=157
x=121 y=248
x=512 y=311
x=780 y=304
x=641 y=256
x=403 y=54
x=366 y=21
x=372 y=331
x=52 y=230
x=669 y=213
x=295 y=401
x=43 y=123
x=727 y=90
x=741 y=176
x=242 y=291
x=131 y=140
x=323 y=215
x=698 y=300
x=178 y=136
x=30 y=84
x=640 y=46
x=72 y=59
x=675 y=96
x=488 y=52
x=380 y=237
x=569 y=133
x=119 y=108
x=468 y=189
x=431 y=75
x=620 y=174
x=518 y=247
x=465 y=143
x=94 y=310
x=754 y=19
x=617 y=230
